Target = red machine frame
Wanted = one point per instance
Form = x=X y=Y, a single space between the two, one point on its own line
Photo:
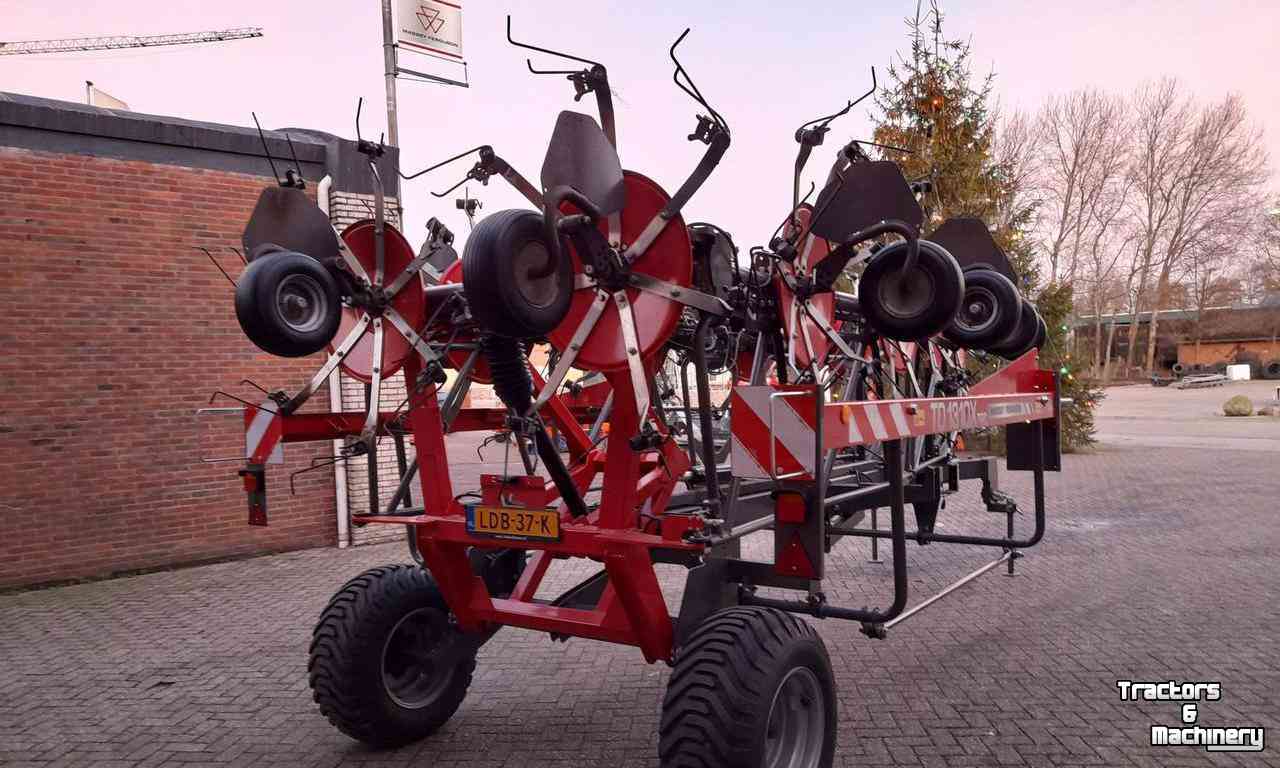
x=631 y=610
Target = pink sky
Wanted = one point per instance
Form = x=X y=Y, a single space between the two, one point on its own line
x=766 y=68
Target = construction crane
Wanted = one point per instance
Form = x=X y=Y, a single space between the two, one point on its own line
x=74 y=44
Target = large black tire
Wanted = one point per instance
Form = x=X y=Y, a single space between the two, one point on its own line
x=916 y=305
x=499 y=264
x=989 y=311
x=1271 y=370
x=1024 y=336
x=368 y=669
x=739 y=690
x=288 y=304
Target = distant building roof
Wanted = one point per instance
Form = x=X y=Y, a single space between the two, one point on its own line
x=1241 y=322
x=51 y=125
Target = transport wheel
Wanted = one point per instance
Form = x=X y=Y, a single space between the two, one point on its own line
x=1023 y=337
x=1271 y=370
x=916 y=305
x=388 y=664
x=288 y=304
x=501 y=264
x=988 y=313
x=752 y=688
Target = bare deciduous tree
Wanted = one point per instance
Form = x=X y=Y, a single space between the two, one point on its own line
x=1161 y=117
x=1213 y=187
x=1082 y=157
x=1015 y=150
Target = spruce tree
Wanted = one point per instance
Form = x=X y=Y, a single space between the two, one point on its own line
x=936 y=108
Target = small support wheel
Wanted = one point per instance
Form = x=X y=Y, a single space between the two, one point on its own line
x=388 y=664
x=989 y=311
x=288 y=304
x=511 y=285
x=916 y=304
x=752 y=688
x=1029 y=334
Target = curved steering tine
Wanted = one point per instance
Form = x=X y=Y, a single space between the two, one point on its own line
x=539 y=49
x=692 y=88
x=827 y=119
x=442 y=163
x=446 y=193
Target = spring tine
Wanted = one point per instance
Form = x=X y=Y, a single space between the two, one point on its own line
x=216 y=264
x=446 y=193
x=539 y=49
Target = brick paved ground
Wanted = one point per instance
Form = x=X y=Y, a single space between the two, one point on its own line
x=1159 y=563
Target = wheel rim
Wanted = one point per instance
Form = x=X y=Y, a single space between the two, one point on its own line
x=532 y=259
x=796 y=728
x=301 y=303
x=411 y=674
x=906 y=296
x=979 y=310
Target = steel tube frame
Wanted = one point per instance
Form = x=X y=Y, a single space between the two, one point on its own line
x=875 y=622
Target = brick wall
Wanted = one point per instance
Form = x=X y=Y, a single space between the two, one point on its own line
x=115 y=330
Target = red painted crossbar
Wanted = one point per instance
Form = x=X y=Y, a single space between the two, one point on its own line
x=873 y=421
x=774 y=426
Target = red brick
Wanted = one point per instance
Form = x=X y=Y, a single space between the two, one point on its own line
x=117 y=330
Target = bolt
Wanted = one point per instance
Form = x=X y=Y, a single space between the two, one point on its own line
x=631 y=350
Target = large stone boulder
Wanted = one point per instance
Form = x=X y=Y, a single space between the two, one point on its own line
x=1238 y=406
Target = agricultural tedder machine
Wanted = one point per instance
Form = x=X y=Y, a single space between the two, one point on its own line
x=842 y=403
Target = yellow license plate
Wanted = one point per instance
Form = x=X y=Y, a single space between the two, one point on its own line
x=514 y=523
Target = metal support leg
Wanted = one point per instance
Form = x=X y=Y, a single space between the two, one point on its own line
x=402 y=464
x=875 y=540
x=1009 y=529
x=601 y=418
x=372 y=458
x=688 y=415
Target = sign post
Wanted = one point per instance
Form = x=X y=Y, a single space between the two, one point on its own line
x=389 y=69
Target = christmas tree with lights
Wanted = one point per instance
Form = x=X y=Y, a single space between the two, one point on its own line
x=935 y=109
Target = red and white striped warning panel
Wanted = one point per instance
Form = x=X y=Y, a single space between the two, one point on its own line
x=263 y=430
x=772 y=432
x=773 y=428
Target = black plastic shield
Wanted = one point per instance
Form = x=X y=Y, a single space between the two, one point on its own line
x=581 y=157
x=288 y=218
x=869 y=193
x=970 y=242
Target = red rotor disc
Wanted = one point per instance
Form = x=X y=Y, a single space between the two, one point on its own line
x=669 y=258
x=456 y=358
x=410 y=302
x=796 y=322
